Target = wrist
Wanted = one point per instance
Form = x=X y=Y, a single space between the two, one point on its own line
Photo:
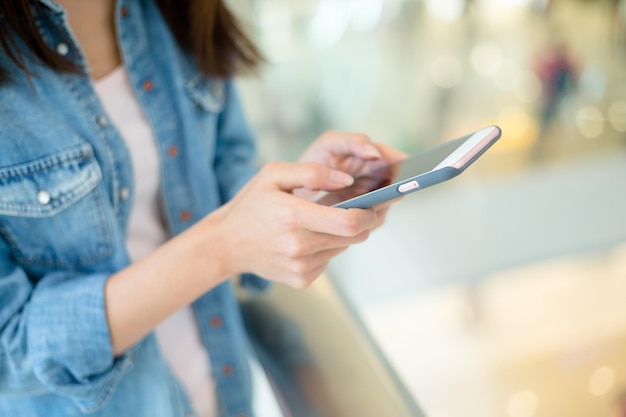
x=209 y=251
x=149 y=290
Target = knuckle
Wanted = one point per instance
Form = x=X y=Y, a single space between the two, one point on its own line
x=362 y=137
x=272 y=167
x=301 y=283
x=299 y=268
x=313 y=172
x=363 y=236
x=288 y=218
x=351 y=223
x=294 y=248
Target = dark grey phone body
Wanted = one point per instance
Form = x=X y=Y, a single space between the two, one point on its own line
x=428 y=167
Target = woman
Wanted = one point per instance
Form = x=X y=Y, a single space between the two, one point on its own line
x=128 y=198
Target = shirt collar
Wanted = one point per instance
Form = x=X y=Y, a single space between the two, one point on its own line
x=52 y=5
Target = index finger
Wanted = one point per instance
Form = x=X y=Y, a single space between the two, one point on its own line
x=333 y=220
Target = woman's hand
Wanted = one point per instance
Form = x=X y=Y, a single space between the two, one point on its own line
x=354 y=154
x=268 y=231
x=264 y=229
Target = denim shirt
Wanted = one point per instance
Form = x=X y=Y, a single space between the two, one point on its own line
x=66 y=190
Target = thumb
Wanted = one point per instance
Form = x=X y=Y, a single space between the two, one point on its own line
x=310 y=175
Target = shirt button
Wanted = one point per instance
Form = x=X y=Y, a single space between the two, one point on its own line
x=185 y=215
x=102 y=121
x=216 y=322
x=44 y=197
x=124 y=193
x=228 y=370
x=63 y=49
x=124 y=11
x=147 y=86
x=172 y=151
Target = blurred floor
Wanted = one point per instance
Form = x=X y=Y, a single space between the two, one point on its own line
x=543 y=340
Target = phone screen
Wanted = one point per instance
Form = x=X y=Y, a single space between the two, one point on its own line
x=422 y=162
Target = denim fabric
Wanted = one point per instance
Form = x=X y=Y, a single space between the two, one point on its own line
x=66 y=189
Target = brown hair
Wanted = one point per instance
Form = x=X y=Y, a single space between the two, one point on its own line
x=204 y=28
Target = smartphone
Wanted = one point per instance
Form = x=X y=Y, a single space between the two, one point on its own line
x=426 y=168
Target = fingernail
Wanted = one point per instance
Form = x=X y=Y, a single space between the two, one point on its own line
x=371 y=151
x=341 y=178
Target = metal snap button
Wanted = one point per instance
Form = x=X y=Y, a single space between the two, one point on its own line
x=62 y=49
x=102 y=121
x=124 y=193
x=44 y=197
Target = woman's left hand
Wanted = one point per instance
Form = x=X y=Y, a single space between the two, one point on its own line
x=352 y=153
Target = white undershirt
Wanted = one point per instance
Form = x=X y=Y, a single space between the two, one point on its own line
x=178 y=335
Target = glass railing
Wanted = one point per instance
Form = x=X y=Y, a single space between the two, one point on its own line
x=319 y=359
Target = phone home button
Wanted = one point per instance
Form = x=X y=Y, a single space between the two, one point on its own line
x=408 y=186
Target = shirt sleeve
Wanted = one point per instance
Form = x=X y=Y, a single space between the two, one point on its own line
x=55 y=334
x=236 y=151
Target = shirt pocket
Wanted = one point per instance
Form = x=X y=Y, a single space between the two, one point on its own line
x=52 y=212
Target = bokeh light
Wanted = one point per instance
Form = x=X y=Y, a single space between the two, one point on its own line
x=506 y=75
x=329 y=22
x=447 y=10
x=617 y=115
x=522 y=404
x=366 y=14
x=589 y=122
x=486 y=58
x=519 y=127
x=446 y=71
x=601 y=381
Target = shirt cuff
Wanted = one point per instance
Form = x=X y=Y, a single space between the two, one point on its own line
x=68 y=336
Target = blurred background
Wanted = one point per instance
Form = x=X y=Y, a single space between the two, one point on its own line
x=503 y=291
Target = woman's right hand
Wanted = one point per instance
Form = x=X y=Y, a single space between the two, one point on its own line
x=268 y=231
x=264 y=230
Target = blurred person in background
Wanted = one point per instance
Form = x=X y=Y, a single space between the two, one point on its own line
x=557 y=72
x=129 y=198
